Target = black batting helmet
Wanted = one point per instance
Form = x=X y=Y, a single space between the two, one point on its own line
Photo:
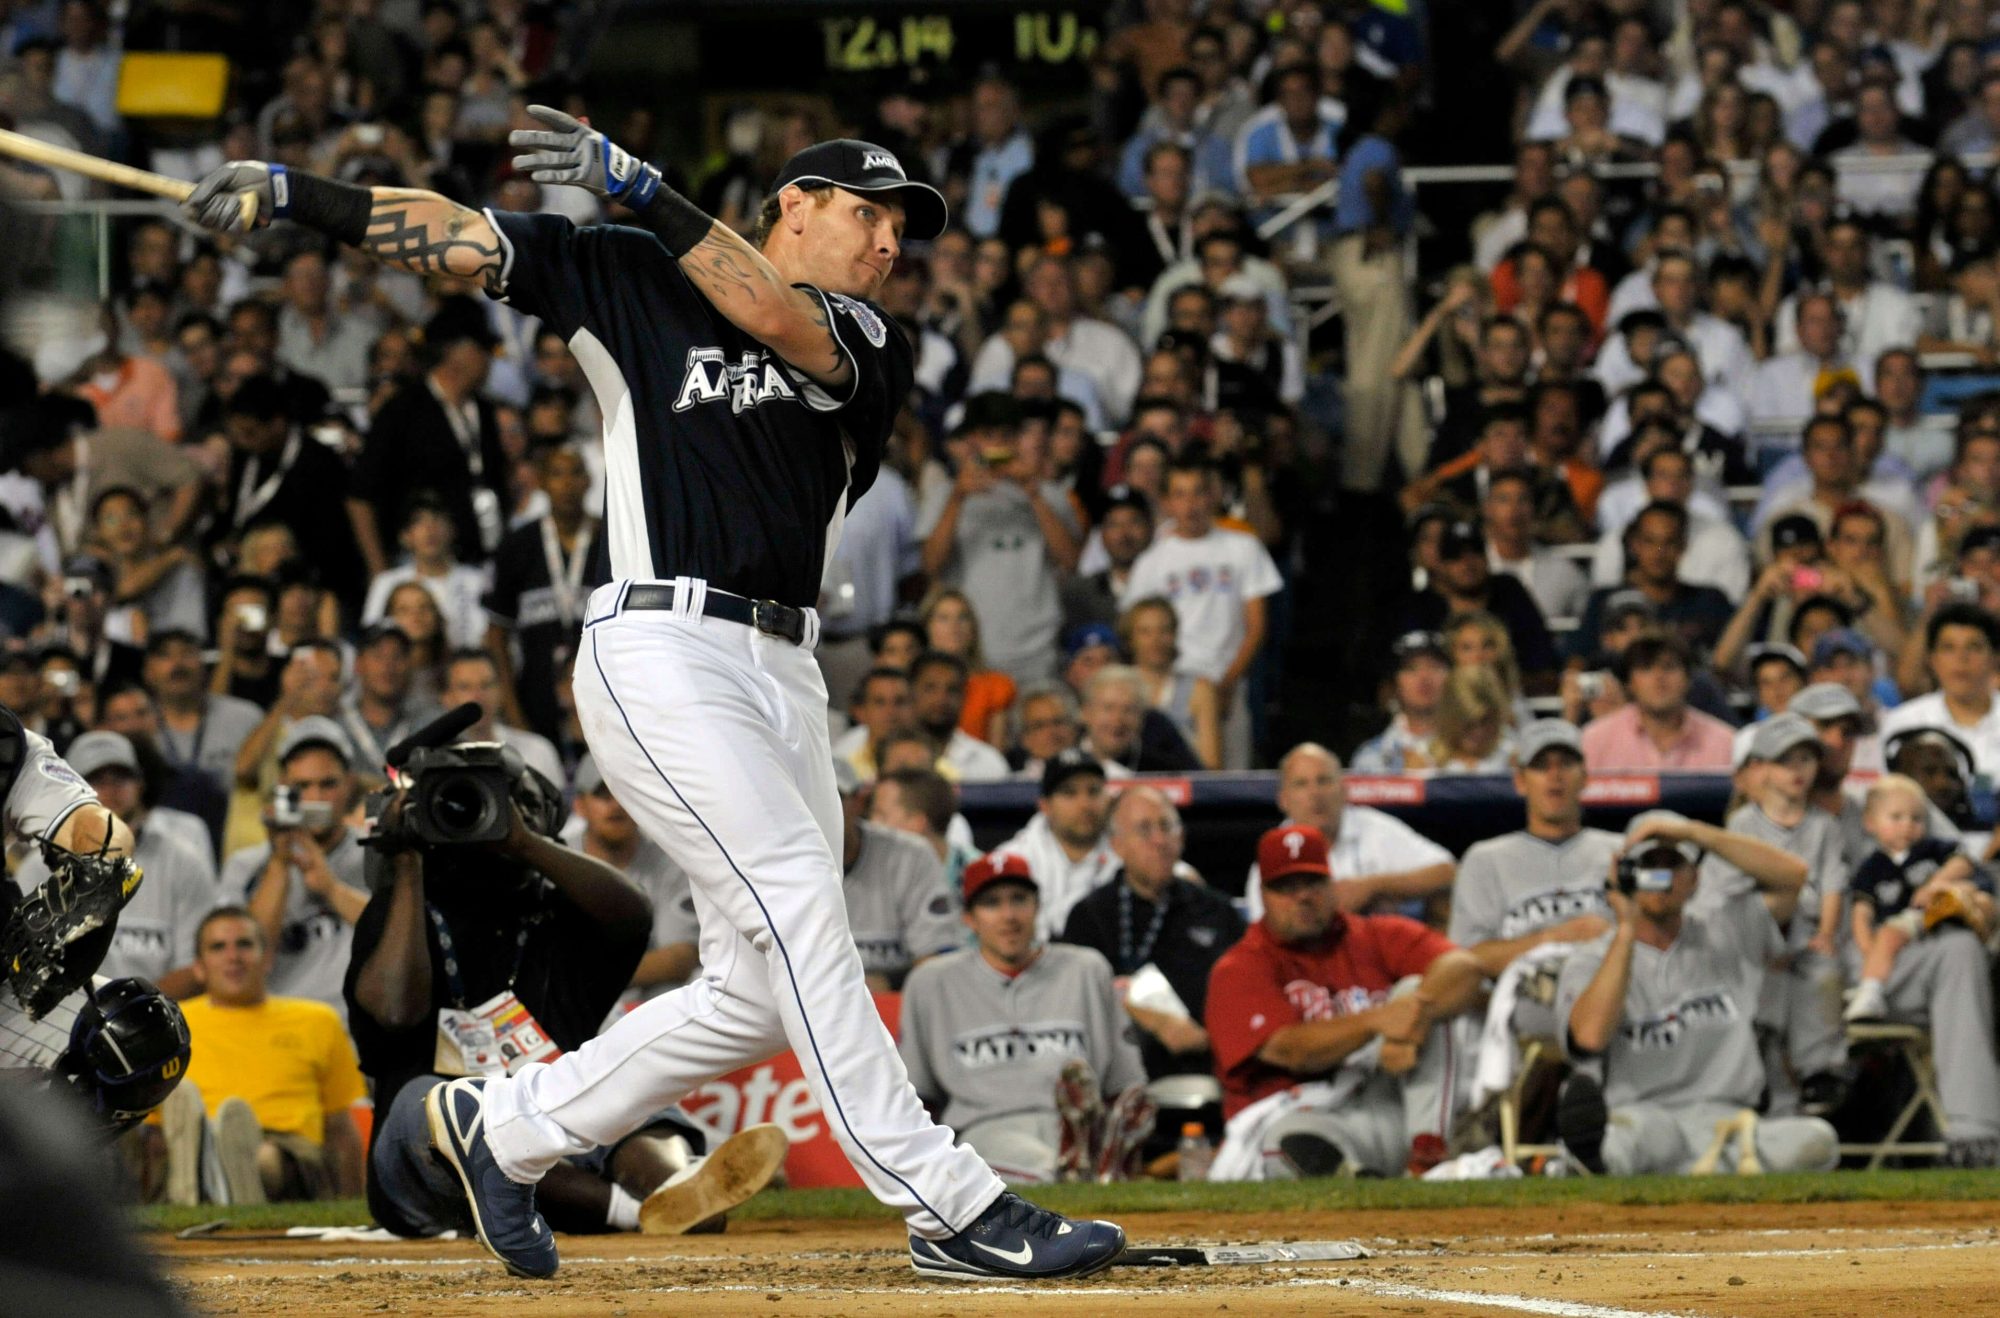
x=127 y=1051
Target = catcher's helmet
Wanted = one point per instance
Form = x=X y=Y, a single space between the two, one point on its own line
x=127 y=1051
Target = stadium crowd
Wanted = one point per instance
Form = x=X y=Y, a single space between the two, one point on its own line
x=1693 y=438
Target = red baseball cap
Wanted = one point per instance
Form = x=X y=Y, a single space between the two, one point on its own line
x=1292 y=849
x=997 y=867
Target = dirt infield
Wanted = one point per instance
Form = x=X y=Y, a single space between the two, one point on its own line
x=1575 y=1261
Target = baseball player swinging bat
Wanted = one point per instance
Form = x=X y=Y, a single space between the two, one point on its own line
x=748 y=387
x=35 y=151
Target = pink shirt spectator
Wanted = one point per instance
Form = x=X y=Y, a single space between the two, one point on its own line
x=1617 y=741
x=141 y=394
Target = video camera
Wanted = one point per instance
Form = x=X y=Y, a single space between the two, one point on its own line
x=1634 y=877
x=455 y=796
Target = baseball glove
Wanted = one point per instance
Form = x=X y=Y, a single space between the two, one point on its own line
x=57 y=934
x=1948 y=907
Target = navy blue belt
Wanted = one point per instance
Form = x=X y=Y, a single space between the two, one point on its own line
x=767 y=616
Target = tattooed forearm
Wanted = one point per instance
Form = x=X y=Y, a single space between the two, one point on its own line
x=722 y=264
x=433 y=237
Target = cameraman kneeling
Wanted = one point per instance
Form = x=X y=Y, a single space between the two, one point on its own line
x=479 y=957
x=1664 y=1010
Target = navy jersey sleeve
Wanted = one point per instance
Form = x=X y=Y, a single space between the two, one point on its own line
x=884 y=369
x=1878 y=868
x=553 y=270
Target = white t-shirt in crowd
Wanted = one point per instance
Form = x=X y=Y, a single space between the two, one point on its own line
x=1929 y=711
x=1370 y=843
x=1208 y=578
x=458 y=593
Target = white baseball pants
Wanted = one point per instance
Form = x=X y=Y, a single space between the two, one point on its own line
x=713 y=736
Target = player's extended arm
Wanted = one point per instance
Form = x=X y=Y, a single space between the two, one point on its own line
x=394 y=984
x=1601 y=1006
x=87 y=828
x=733 y=275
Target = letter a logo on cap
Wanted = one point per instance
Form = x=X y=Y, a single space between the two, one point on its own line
x=882 y=160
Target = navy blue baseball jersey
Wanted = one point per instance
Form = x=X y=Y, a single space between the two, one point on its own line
x=722 y=461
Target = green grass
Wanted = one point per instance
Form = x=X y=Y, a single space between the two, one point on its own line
x=1273 y=1197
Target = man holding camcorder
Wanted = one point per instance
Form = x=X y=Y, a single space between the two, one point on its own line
x=493 y=947
x=1660 y=1015
x=306 y=887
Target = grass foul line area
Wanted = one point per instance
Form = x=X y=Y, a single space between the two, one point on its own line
x=1264 y=1197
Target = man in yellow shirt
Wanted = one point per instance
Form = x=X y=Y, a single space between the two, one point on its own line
x=276 y=1075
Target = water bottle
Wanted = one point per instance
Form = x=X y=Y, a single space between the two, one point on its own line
x=1196 y=1152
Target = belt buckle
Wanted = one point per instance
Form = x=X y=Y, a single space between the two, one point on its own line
x=768 y=617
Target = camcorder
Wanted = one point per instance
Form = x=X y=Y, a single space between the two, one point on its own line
x=1634 y=877
x=288 y=811
x=454 y=796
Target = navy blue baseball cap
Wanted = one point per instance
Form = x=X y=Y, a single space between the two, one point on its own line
x=864 y=167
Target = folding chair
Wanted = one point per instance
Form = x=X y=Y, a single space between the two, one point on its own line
x=1913 y=1045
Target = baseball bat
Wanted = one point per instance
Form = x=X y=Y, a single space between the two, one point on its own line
x=31 y=149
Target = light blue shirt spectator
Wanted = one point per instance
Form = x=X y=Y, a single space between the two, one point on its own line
x=1352 y=210
x=994 y=170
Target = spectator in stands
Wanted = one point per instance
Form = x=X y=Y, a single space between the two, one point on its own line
x=1884 y=479
x=1047 y=725
x=1218 y=581
x=1005 y=1091
x=1776 y=673
x=898 y=909
x=1124 y=531
x=937 y=702
x=951 y=627
x=1502 y=445
x=87 y=585
x=332 y=341
x=1977 y=131
x=1960 y=645
x=997 y=151
x=1723 y=352
x=1674 y=1023
x=278 y=473
x=921 y=803
x=309 y=685
x=601 y=828
x=427 y=538
x=276 y=1074
x=1117 y=729
x=1289 y=146
x=439 y=435
x=381 y=707
x=1003 y=536
x=1655 y=545
x=1422 y=666
x=880 y=706
x=1150 y=633
x=1875 y=315
x=1922 y=443
x=1785 y=388
x=305 y=887
x=1302 y=997
x=1148 y=915
x=1541 y=885
x=471 y=675
x=1476 y=640
x=1464 y=581
x=1658 y=729
x=245 y=669
x=1066 y=841
x=155 y=936
x=156 y=587
x=1474 y=722
x=1507 y=512
x=1715 y=554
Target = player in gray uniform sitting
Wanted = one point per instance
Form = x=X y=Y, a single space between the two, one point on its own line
x=1664 y=1007
x=1808 y=1064
x=1543 y=884
x=1019 y=1046
x=898 y=908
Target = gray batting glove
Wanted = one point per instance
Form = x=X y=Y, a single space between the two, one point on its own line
x=577 y=154
x=214 y=202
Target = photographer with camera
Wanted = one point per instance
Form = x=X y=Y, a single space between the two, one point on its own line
x=1660 y=1014
x=87 y=583
x=306 y=886
x=492 y=948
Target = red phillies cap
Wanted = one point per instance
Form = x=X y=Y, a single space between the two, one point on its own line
x=1292 y=849
x=995 y=868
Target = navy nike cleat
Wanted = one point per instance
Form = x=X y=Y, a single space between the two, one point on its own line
x=503 y=1210
x=1581 y=1119
x=1013 y=1240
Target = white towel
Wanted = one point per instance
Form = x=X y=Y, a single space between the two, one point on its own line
x=1499 y=1054
x=1241 y=1156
